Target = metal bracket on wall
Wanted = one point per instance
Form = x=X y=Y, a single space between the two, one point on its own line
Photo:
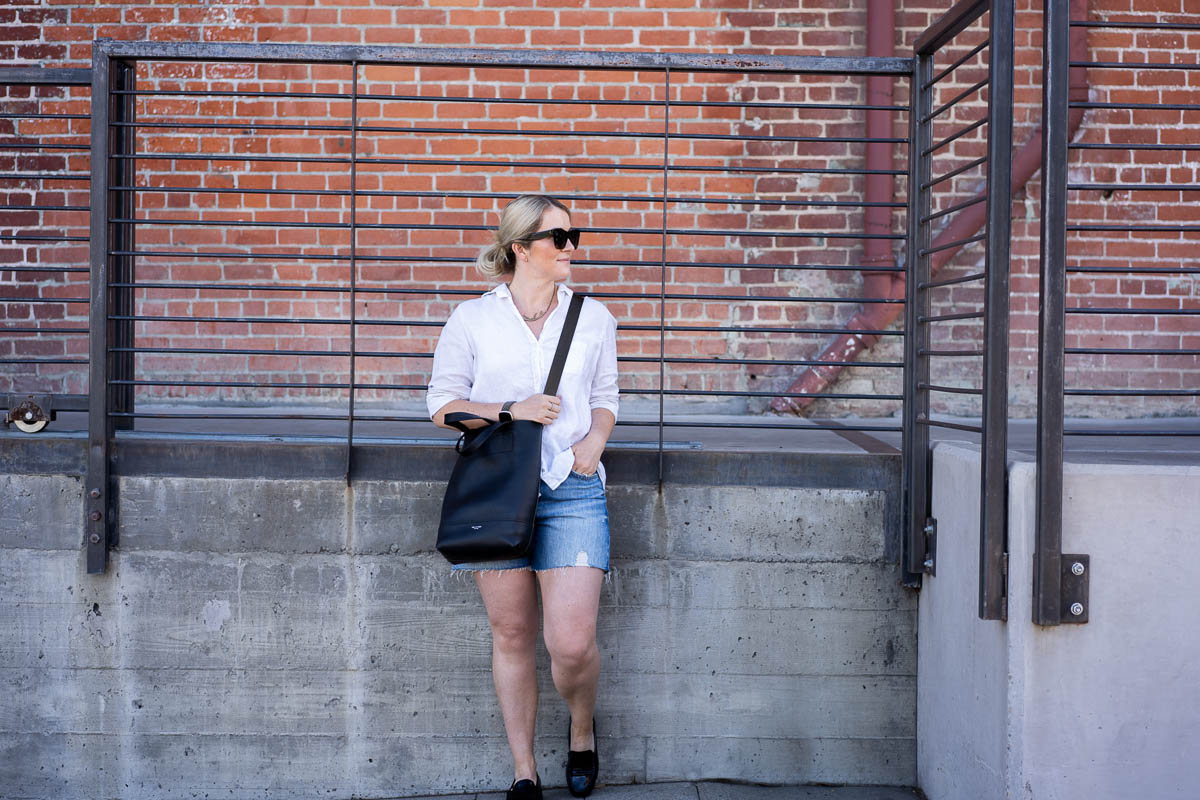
x=1074 y=588
x=930 y=532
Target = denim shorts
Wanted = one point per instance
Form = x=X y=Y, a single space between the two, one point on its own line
x=571 y=530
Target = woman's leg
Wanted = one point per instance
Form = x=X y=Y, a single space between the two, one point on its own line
x=511 y=600
x=570 y=605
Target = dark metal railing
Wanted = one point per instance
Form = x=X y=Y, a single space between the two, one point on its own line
x=927 y=344
x=1060 y=587
x=126 y=239
x=36 y=175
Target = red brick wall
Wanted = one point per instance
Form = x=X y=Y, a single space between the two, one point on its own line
x=61 y=34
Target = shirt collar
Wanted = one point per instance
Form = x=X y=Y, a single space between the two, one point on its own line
x=502 y=290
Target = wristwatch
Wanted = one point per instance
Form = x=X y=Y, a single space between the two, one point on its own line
x=505 y=414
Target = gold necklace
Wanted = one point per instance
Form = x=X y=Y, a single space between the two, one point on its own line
x=540 y=314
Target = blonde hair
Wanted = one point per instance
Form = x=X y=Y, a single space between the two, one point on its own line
x=519 y=219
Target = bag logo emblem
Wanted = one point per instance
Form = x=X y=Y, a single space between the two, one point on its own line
x=476 y=527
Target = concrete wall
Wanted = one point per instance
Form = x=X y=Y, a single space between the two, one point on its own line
x=1110 y=709
x=274 y=636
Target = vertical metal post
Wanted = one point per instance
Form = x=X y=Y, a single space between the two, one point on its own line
x=1047 y=577
x=993 y=523
x=123 y=204
x=99 y=504
x=916 y=361
x=662 y=296
x=353 y=254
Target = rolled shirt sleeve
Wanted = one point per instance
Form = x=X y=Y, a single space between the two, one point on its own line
x=453 y=365
x=604 y=392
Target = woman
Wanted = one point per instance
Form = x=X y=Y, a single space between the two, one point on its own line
x=492 y=359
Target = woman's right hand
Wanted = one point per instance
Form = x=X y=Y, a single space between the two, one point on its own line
x=541 y=408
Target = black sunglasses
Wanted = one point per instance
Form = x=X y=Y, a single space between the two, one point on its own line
x=561 y=237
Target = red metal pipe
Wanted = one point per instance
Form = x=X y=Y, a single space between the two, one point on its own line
x=963 y=225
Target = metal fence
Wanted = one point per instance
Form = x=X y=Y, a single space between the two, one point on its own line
x=43 y=242
x=267 y=207
x=960 y=172
x=1156 y=337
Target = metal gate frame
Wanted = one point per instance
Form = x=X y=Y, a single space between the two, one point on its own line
x=919 y=524
x=113 y=74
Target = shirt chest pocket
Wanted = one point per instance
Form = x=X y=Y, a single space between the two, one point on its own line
x=581 y=359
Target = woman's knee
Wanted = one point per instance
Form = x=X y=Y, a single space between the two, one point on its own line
x=577 y=647
x=514 y=634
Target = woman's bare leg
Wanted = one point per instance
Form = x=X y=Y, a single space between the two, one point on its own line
x=570 y=605
x=511 y=600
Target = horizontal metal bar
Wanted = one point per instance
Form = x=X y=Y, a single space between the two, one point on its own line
x=71 y=331
x=45 y=116
x=42 y=146
x=767 y=425
x=6 y=238
x=44 y=300
x=956 y=243
x=418 y=98
x=229 y=384
x=1134 y=228
x=220 y=254
x=1109 y=23
x=951 y=317
x=933 y=387
x=974 y=51
x=1132 y=392
x=1086 y=310
x=970 y=165
x=957 y=207
x=1131 y=147
x=815 y=396
x=657 y=134
x=496 y=163
x=951 y=425
x=1126 y=432
x=1140 y=65
x=238 y=287
x=1139 y=106
x=708 y=200
x=44 y=208
x=58 y=76
x=244 y=352
x=957 y=135
x=1136 y=270
x=506 y=58
x=246 y=320
x=965 y=93
x=714 y=329
x=164 y=415
x=950 y=353
x=241 y=223
x=975 y=276
x=43 y=361
x=7 y=268
x=759 y=361
x=1135 y=187
x=35 y=176
x=1127 y=351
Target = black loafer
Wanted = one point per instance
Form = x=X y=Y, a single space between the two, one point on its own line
x=583 y=766
x=525 y=790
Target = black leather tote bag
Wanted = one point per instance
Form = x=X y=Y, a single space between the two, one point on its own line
x=489 y=509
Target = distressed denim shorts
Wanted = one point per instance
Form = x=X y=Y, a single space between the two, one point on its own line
x=571 y=530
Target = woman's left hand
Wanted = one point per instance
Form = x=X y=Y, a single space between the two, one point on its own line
x=587 y=454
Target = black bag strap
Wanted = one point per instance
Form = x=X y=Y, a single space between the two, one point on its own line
x=564 y=343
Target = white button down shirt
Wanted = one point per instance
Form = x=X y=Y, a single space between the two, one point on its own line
x=488 y=354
